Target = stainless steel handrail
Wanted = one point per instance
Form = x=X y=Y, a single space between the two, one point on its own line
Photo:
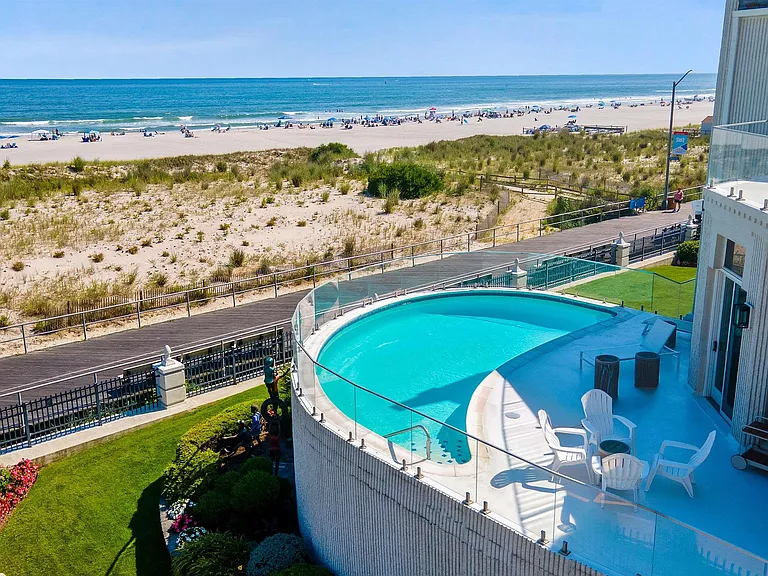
x=414 y=427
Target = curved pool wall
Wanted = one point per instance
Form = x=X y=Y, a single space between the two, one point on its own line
x=429 y=352
x=361 y=513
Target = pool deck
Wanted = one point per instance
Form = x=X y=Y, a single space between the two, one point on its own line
x=18 y=371
x=615 y=538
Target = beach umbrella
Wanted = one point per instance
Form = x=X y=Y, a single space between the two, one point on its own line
x=572 y=117
x=544 y=127
x=433 y=109
x=332 y=119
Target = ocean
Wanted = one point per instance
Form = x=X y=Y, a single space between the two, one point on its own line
x=133 y=105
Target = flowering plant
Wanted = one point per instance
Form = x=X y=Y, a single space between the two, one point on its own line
x=179 y=507
x=190 y=535
x=15 y=482
x=181 y=523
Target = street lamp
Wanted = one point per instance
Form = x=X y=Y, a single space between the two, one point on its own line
x=669 y=139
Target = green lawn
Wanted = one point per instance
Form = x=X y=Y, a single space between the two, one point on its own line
x=96 y=511
x=667 y=292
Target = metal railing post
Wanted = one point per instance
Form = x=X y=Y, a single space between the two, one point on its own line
x=441 y=248
x=274 y=280
x=234 y=298
x=234 y=362
x=24 y=338
x=494 y=237
x=85 y=331
x=25 y=413
x=413 y=259
x=518 y=233
x=468 y=236
x=98 y=400
x=189 y=310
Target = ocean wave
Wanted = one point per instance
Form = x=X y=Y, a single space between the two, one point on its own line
x=149 y=117
x=29 y=123
x=185 y=118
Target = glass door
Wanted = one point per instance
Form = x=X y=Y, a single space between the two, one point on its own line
x=727 y=346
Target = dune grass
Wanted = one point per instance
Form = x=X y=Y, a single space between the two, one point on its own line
x=96 y=512
x=667 y=290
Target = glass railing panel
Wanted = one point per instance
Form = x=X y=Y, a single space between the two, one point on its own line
x=604 y=530
x=518 y=492
x=739 y=152
x=683 y=550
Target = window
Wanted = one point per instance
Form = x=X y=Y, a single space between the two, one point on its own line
x=735 y=255
x=752 y=4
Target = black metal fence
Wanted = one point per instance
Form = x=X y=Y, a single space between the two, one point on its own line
x=135 y=392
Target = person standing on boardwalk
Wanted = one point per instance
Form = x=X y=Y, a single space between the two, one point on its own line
x=678 y=200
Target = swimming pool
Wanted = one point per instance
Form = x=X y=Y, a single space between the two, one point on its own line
x=431 y=352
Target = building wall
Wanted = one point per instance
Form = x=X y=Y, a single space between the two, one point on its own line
x=742 y=80
x=728 y=219
x=363 y=516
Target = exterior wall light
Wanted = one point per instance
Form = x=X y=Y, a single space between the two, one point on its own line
x=743 y=312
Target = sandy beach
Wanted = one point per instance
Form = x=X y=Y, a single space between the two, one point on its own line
x=133 y=146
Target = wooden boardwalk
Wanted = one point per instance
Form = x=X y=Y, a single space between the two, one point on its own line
x=19 y=371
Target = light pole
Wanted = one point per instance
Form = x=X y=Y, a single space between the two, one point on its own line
x=669 y=139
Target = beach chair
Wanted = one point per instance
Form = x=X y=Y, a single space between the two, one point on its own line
x=680 y=472
x=599 y=421
x=621 y=472
x=654 y=339
x=565 y=455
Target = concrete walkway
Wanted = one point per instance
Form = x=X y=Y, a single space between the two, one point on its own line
x=19 y=371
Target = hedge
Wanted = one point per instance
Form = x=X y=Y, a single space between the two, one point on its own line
x=412 y=180
x=196 y=459
x=688 y=252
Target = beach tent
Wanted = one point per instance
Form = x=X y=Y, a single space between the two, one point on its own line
x=545 y=127
x=41 y=135
x=572 y=117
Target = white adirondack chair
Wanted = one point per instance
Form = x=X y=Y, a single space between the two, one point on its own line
x=680 y=472
x=565 y=455
x=599 y=420
x=622 y=472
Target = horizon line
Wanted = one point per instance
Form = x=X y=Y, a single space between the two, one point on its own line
x=349 y=77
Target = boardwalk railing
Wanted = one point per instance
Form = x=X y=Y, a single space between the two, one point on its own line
x=207 y=366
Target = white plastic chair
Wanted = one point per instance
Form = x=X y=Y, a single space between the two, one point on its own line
x=565 y=455
x=599 y=420
x=680 y=472
x=622 y=472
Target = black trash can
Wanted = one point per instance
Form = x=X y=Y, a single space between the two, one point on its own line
x=647 y=366
x=607 y=374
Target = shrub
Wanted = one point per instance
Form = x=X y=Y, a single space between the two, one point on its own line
x=413 y=180
x=17 y=266
x=4 y=321
x=255 y=492
x=5 y=214
x=213 y=508
x=221 y=166
x=688 y=252
x=146 y=243
x=133 y=249
x=325 y=195
x=158 y=280
x=7 y=164
x=98 y=257
x=344 y=188
x=77 y=187
x=393 y=199
x=213 y=554
x=195 y=463
x=276 y=553
x=301 y=223
x=305 y=570
x=237 y=258
x=326 y=153
x=78 y=164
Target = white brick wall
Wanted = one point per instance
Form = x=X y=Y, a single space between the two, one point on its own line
x=364 y=517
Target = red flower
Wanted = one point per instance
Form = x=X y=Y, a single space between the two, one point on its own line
x=14 y=485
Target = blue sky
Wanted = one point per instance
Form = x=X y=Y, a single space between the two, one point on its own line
x=269 y=38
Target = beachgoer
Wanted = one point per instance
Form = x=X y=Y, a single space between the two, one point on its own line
x=274 y=447
x=678 y=199
x=256 y=424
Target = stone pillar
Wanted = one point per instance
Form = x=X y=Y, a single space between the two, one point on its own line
x=690 y=228
x=519 y=277
x=169 y=379
x=620 y=252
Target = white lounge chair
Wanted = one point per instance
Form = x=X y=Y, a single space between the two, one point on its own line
x=680 y=472
x=621 y=472
x=599 y=421
x=565 y=455
x=654 y=339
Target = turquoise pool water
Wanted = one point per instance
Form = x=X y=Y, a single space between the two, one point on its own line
x=431 y=353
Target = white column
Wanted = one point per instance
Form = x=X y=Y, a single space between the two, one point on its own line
x=690 y=228
x=519 y=276
x=620 y=251
x=169 y=379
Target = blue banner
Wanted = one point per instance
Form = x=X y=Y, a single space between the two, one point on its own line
x=679 y=143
